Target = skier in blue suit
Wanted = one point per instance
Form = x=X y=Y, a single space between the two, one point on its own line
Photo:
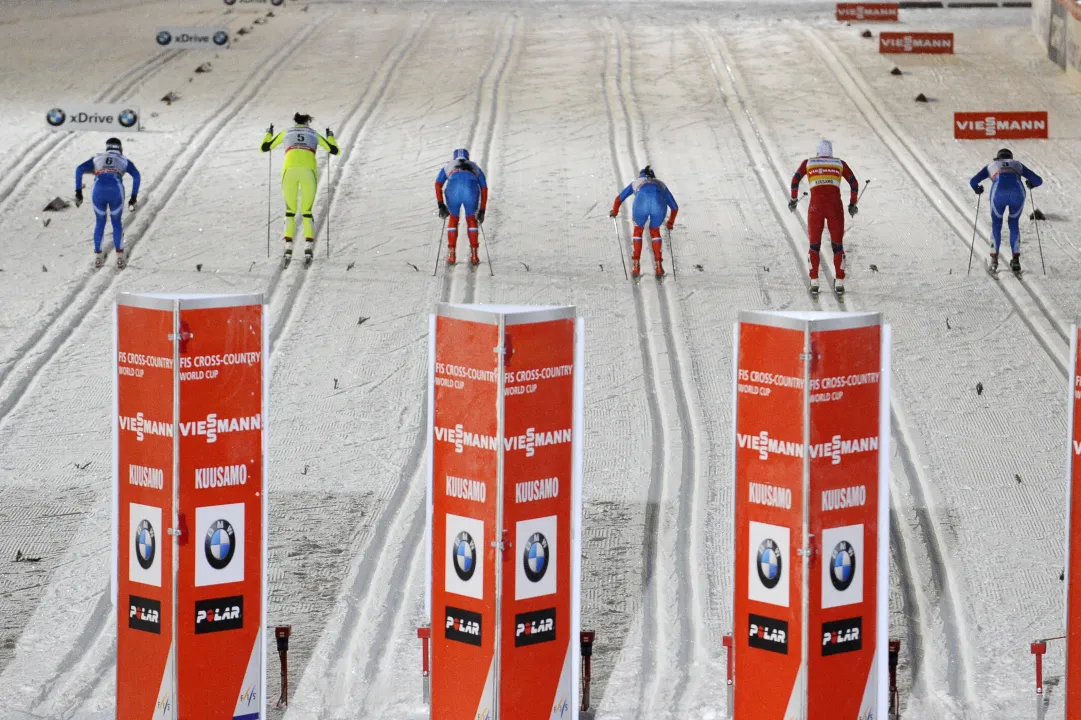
x=1007 y=199
x=652 y=200
x=109 y=168
x=461 y=185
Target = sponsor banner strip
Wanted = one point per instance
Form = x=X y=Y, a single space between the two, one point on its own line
x=1000 y=125
x=124 y=118
x=929 y=43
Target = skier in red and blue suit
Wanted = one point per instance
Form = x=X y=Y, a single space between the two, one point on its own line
x=652 y=200
x=1007 y=198
x=461 y=185
x=824 y=174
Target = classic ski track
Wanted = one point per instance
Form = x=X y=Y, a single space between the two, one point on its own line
x=363 y=569
x=1033 y=306
x=101 y=281
x=370 y=102
x=660 y=432
x=690 y=607
x=98 y=623
x=773 y=180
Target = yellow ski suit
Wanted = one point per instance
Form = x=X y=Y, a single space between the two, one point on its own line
x=299 y=172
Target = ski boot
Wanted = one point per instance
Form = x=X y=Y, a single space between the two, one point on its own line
x=994 y=262
x=814 y=286
x=451 y=256
x=121 y=260
x=474 y=258
x=658 y=269
x=309 y=251
x=99 y=259
x=288 y=256
x=636 y=268
x=1015 y=264
x=839 y=286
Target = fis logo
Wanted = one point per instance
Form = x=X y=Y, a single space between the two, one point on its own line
x=534 y=627
x=768 y=634
x=144 y=614
x=219 y=614
x=841 y=636
x=249 y=696
x=462 y=626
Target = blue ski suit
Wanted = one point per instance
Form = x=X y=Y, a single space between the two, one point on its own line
x=463 y=185
x=108 y=195
x=652 y=198
x=1007 y=197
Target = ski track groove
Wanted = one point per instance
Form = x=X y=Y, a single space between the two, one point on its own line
x=772 y=186
x=403 y=568
x=250 y=88
x=97 y=623
x=690 y=608
x=659 y=431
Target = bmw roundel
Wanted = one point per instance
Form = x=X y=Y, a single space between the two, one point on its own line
x=465 y=556
x=230 y=2
x=220 y=544
x=128 y=118
x=842 y=565
x=56 y=117
x=276 y=2
x=770 y=563
x=221 y=37
x=535 y=557
x=164 y=37
x=146 y=544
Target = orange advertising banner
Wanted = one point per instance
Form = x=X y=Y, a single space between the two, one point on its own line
x=143 y=509
x=537 y=642
x=916 y=43
x=1000 y=125
x=465 y=519
x=221 y=584
x=843 y=454
x=1073 y=539
x=868 y=12
x=769 y=519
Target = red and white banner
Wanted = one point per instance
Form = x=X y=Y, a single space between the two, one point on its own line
x=769 y=511
x=1073 y=536
x=191 y=506
x=916 y=43
x=868 y=12
x=143 y=510
x=811 y=517
x=505 y=510
x=1000 y=125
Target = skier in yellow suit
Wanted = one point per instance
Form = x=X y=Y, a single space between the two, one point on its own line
x=300 y=175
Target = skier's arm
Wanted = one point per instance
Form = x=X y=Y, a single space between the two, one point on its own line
x=800 y=172
x=672 y=206
x=271 y=141
x=483 y=187
x=135 y=180
x=439 y=180
x=86 y=167
x=853 y=183
x=1033 y=180
x=328 y=143
x=979 y=178
x=627 y=192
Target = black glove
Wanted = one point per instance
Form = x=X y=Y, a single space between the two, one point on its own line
x=480 y=216
x=793 y=203
x=330 y=133
x=443 y=212
x=78 y=198
x=270 y=130
x=978 y=190
x=852 y=209
x=1029 y=184
x=132 y=202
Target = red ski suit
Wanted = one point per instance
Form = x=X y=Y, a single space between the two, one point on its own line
x=824 y=176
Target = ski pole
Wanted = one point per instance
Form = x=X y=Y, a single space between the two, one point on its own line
x=330 y=195
x=972 y=245
x=439 y=250
x=619 y=244
x=487 y=254
x=672 y=253
x=1039 y=242
x=865 y=186
x=269 y=191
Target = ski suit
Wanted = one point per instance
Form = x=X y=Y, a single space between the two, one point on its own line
x=108 y=195
x=462 y=185
x=300 y=175
x=824 y=175
x=652 y=200
x=1007 y=197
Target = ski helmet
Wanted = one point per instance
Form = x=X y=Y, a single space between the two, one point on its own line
x=113 y=144
x=302 y=119
x=647 y=172
x=461 y=154
x=825 y=149
x=1004 y=154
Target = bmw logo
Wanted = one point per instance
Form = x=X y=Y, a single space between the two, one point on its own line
x=535 y=557
x=465 y=556
x=276 y=3
x=230 y=2
x=165 y=37
x=221 y=38
x=770 y=563
x=56 y=117
x=842 y=565
x=128 y=118
x=220 y=544
x=146 y=544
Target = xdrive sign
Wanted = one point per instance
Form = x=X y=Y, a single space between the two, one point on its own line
x=92 y=117
x=1000 y=126
x=193 y=37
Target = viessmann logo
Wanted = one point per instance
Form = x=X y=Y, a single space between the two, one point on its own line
x=835 y=449
x=916 y=43
x=1000 y=126
x=868 y=12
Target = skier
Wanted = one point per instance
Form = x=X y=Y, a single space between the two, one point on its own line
x=463 y=185
x=824 y=173
x=300 y=176
x=1007 y=195
x=108 y=195
x=652 y=200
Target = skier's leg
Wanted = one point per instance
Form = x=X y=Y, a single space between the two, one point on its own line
x=996 y=222
x=655 y=241
x=452 y=231
x=116 y=213
x=100 y=199
x=1017 y=206
x=836 y=222
x=470 y=205
x=309 y=183
x=290 y=189
x=816 y=220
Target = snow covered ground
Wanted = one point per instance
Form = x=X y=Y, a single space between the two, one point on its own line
x=561 y=103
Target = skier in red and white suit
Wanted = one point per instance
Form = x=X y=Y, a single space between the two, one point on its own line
x=824 y=173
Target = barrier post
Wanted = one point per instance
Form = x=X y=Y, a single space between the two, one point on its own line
x=281 y=635
x=586 y=638
x=728 y=644
x=894 y=653
x=1038 y=649
x=425 y=634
